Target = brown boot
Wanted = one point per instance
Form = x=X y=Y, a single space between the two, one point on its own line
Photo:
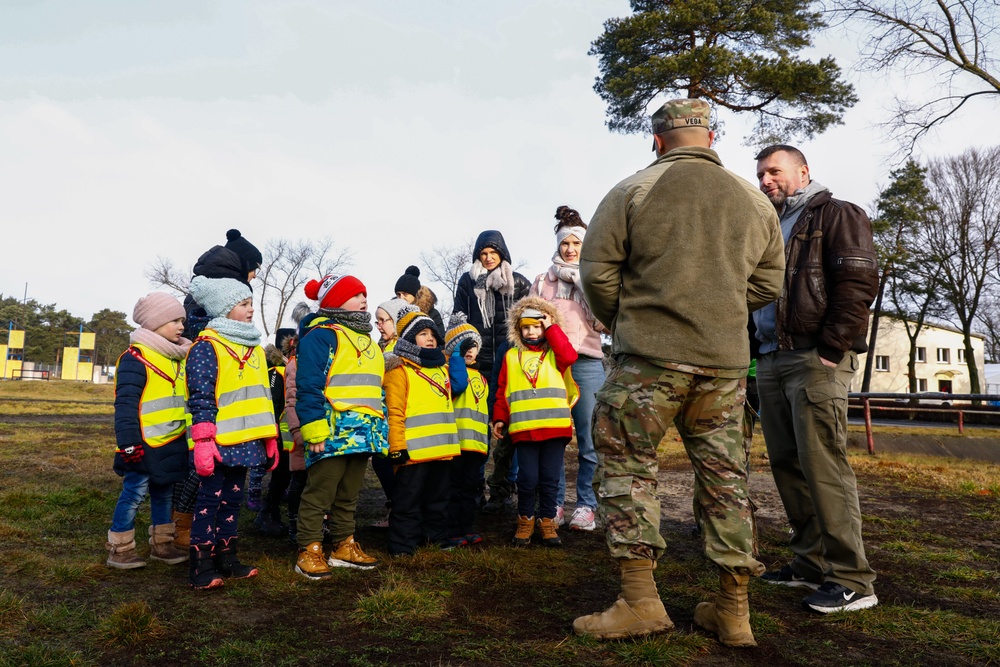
x=122 y=554
x=525 y=527
x=348 y=553
x=637 y=612
x=161 y=545
x=729 y=615
x=182 y=529
x=550 y=537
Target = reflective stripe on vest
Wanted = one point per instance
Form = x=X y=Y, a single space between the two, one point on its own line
x=163 y=405
x=544 y=404
x=431 y=432
x=354 y=381
x=243 y=396
x=471 y=416
x=287 y=441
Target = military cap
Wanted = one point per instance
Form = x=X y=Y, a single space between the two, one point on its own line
x=680 y=113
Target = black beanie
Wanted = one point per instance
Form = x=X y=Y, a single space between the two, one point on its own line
x=247 y=251
x=409 y=282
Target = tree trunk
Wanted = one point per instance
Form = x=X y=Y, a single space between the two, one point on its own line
x=866 y=380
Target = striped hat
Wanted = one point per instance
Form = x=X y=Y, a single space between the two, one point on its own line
x=334 y=291
x=410 y=321
x=460 y=330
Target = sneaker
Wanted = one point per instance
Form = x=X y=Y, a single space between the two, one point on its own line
x=453 y=543
x=560 y=516
x=311 y=564
x=832 y=596
x=349 y=554
x=383 y=524
x=583 y=519
x=473 y=539
x=787 y=577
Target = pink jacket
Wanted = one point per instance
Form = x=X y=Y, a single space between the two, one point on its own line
x=583 y=332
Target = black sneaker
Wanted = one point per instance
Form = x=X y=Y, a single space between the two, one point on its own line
x=787 y=577
x=832 y=596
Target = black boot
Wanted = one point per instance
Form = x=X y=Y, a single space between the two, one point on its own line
x=293 y=529
x=228 y=563
x=201 y=568
x=268 y=522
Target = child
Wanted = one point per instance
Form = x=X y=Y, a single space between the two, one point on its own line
x=233 y=425
x=342 y=420
x=385 y=317
x=268 y=521
x=472 y=419
x=150 y=425
x=535 y=393
x=296 y=450
x=422 y=433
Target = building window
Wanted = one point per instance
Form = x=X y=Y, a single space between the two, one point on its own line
x=921 y=384
x=881 y=362
x=961 y=355
x=922 y=354
x=944 y=355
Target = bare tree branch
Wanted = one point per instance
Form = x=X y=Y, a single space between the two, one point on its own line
x=446 y=265
x=162 y=273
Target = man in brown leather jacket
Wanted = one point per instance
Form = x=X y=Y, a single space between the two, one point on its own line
x=810 y=340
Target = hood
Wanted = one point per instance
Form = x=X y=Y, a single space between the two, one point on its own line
x=426 y=299
x=491 y=238
x=220 y=262
x=514 y=314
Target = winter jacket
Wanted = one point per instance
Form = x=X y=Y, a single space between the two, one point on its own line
x=491 y=326
x=830 y=281
x=216 y=262
x=296 y=460
x=581 y=327
x=165 y=464
x=675 y=257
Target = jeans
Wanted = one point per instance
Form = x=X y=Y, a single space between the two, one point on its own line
x=134 y=488
x=589 y=375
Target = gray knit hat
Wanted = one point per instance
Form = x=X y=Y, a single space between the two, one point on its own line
x=218 y=296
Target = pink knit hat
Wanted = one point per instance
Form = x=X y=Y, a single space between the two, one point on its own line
x=156 y=309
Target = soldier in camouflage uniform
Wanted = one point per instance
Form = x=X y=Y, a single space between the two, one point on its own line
x=675 y=258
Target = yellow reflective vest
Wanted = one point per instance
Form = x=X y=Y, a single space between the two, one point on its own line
x=431 y=433
x=242 y=392
x=163 y=414
x=539 y=395
x=354 y=381
x=471 y=415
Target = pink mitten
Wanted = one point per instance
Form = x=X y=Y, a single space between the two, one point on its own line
x=206 y=453
x=271 y=449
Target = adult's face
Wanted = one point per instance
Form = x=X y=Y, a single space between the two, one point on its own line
x=569 y=250
x=780 y=176
x=489 y=258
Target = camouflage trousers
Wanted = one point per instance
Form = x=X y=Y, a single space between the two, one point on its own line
x=634 y=408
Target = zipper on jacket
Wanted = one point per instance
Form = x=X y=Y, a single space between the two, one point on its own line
x=862 y=260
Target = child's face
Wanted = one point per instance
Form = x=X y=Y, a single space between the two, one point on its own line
x=357 y=302
x=531 y=331
x=426 y=339
x=385 y=324
x=471 y=354
x=172 y=330
x=243 y=311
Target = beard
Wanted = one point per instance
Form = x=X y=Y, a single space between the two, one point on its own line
x=777 y=198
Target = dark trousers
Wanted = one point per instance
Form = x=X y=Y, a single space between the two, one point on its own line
x=541 y=464
x=383 y=470
x=186 y=492
x=503 y=458
x=295 y=487
x=420 y=495
x=280 y=477
x=465 y=489
x=217 y=505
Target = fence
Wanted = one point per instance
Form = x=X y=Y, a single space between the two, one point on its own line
x=924 y=404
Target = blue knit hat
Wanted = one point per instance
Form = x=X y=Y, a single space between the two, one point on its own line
x=218 y=296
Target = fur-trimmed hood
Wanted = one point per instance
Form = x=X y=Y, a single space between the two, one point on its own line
x=426 y=300
x=514 y=314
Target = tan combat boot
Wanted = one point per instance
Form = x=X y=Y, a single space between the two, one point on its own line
x=637 y=612
x=121 y=548
x=311 y=563
x=182 y=529
x=161 y=545
x=348 y=553
x=729 y=615
x=550 y=536
x=525 y=527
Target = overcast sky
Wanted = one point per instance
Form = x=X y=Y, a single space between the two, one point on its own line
x=131 y=129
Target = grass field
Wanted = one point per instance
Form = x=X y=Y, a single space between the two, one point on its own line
x=932 y=530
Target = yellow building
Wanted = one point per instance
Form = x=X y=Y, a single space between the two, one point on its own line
x=941 y=364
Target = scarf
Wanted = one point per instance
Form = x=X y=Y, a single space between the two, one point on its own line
x=241 y=333
x=355 y=320
x=158 y=343
x=431 y=357
x=568 y=286
x=500 y=280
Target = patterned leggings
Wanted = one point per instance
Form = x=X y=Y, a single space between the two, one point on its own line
x=217 y=507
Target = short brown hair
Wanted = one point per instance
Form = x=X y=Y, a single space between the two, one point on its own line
x=796 y=154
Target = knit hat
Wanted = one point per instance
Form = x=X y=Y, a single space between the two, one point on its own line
x=459 y=331
x=247 y=251
x=530 y=316
x=334 y=291
x=409 y=282
x=218 y=296
x=392 y=308
x=156 y=309
x=281 y=335
x=410 y=321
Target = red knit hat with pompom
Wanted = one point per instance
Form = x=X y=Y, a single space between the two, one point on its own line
x=333 y=291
